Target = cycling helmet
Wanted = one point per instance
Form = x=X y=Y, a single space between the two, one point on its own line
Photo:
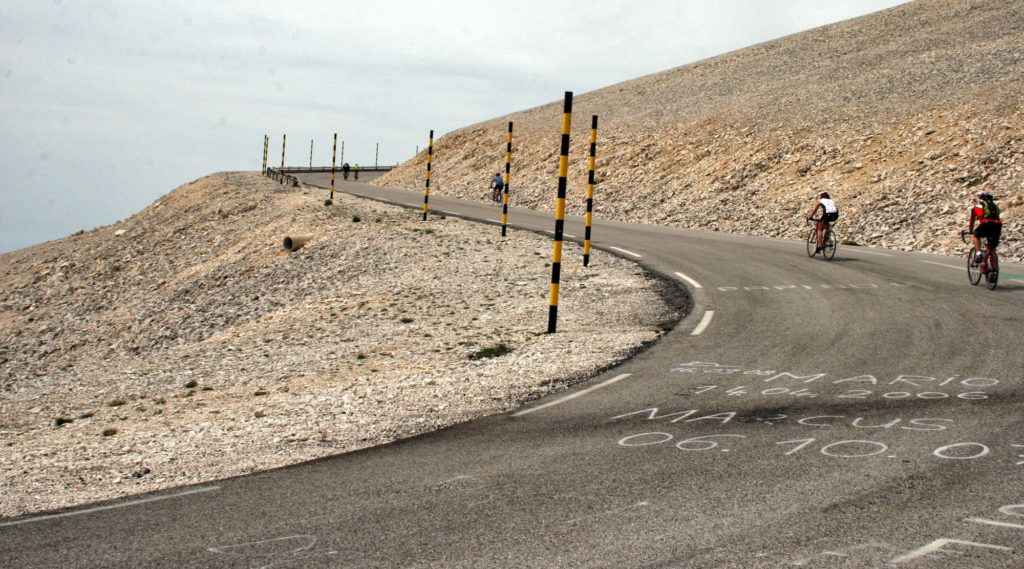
x=985 y=196
x=824 y=195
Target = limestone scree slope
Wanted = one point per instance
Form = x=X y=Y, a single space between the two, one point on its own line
x=184 y=344
x=903 y=116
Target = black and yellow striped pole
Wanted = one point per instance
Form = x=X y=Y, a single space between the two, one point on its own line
x=334 y=153
x=284 y=139
x=426 y=189
x=556 y=256
x=590 y=189
x=266 y=144
x=508 y=170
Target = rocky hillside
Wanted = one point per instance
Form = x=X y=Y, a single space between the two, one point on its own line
x=184 y=344
x=902 y=116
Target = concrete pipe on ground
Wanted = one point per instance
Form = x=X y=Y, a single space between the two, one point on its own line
x=295 y=242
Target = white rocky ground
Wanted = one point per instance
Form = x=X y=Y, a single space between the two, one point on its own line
x=184 y=344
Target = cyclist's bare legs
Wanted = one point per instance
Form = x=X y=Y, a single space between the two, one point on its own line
x=822 y=228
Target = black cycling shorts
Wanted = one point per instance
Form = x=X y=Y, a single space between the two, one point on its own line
x=990 y=231
x=829 y=217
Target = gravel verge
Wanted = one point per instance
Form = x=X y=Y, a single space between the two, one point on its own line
x=186 y=345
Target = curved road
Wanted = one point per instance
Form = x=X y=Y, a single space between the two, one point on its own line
x=861 y=413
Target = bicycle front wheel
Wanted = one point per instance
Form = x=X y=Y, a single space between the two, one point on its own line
x=829 y=250
x=973 y=267
x=993 y=270
x=812 y=243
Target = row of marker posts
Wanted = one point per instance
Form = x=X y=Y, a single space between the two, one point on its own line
x=563 y=167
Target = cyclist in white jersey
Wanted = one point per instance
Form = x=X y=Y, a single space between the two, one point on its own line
x=829 y=213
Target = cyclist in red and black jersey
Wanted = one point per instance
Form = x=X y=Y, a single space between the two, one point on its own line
x=986 y=213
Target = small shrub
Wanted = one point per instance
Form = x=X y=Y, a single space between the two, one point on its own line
x=61 y=421
x=117 y=403
x=492 y=352
x=191 y=384
x=109 y=432
x=405 y=320
x=86 y=415
x=360 y=356
x=260 y=393
x=356 y=219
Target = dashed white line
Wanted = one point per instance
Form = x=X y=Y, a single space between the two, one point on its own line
x=692 y=282
x=569 y=235
x=857 y=250
x=704 y=321
x=944 y=265
x=110 y=507
x=620 y=250
x=572 y=396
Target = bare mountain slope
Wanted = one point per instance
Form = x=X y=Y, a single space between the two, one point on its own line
x=184 y=344
x=902 y=116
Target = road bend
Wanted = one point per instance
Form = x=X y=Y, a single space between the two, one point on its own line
x=863 y=412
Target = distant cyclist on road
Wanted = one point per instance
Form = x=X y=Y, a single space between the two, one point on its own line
x=345 y=168
x=498 y=185
x=829 y=213
x=357 y=168
x=986 y=213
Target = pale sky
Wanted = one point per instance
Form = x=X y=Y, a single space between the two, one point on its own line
x=105 y=105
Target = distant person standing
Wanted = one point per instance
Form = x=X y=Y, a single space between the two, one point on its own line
x=357 y=171
x=498 y=185
x=345 y=170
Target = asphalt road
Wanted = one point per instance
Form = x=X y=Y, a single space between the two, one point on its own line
x=864 y=412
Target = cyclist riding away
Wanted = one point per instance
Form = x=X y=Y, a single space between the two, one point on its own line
x=829 y=213
x=986 y=212
x=498 y=184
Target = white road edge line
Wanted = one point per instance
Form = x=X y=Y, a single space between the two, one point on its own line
x=111 y=506
x=572 y=396
x=704 y=321
x=620 y=250
x=1017 y=280
x=944 y=265
x=858 y=250
x=692 y=282
x=569 y=236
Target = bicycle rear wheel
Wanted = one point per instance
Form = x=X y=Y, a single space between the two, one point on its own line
x=973 y=267
x=812 y=243
x=993 y=270
x=829 y=250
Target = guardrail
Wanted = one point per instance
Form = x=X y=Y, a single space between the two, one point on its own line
x=283 y=177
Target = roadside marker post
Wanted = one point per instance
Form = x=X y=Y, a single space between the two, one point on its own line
x=342 y=160
x=311 y=154
x=426 y=189
x=556 y=255
x=266 y=144
x=284 y=140
x=590 y=189
x=376 y=154
x=508 y=176
x=334 y=153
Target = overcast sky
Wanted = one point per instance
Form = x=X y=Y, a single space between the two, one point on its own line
x=106 y=105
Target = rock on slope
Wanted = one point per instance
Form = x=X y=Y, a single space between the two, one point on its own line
x=903 y=116
x=184 y=344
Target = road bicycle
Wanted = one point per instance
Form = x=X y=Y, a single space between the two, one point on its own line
x=987 y=267
x=829 y=241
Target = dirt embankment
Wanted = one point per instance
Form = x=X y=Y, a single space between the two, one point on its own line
x=184 y=344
